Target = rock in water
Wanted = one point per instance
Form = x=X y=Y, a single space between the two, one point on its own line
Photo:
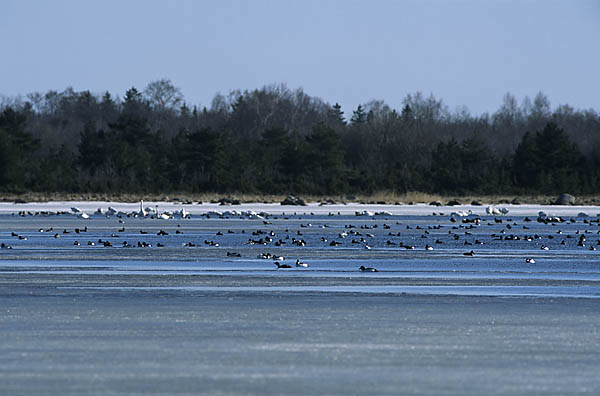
x=565 y=199
x=291 y=200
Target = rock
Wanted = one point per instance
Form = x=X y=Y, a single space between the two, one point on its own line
x=229 y=201
x=291 y=200
x=476 y=203
x=435 y=203
x=515 y=201
x=504 y=201
x=565 y=199
x=454 y=202
x=328 y=201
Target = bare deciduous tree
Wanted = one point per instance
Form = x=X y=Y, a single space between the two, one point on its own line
x=163 y=95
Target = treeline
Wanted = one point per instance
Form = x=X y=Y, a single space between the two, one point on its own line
x=277 y=140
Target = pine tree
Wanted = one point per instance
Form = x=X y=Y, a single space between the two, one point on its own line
x=358 y=116
x=337 y=115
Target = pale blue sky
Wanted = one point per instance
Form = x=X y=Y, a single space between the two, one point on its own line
x=465 y=52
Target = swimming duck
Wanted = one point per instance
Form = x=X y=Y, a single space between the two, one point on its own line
x=282 y=265
x=301 y=264
x=362 y=268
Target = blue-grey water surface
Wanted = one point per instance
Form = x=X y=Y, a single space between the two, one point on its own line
x=187 y=318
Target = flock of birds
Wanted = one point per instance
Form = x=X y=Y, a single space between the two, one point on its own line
x=462 y=227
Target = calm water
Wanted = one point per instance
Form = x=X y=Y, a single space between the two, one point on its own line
x=188 y=319
x=199 y=246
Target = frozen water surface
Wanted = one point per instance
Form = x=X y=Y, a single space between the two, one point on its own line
x=187 y=318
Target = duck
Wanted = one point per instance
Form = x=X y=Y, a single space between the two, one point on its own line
x=301 y=264
x=362 y=268
x=428 y=247
x=470 y=254
x=282 y=265
x=529 y=260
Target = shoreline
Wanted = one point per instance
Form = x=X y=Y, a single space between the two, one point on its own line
x=311 y=208
x=377 y=198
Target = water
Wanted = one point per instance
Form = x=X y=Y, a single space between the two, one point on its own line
x=191 y=320
x=499 y=260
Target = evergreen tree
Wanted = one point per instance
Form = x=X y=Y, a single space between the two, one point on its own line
x=337 y=115
x=325 y=156
x=358 y=116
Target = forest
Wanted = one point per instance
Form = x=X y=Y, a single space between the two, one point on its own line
x=276 y=140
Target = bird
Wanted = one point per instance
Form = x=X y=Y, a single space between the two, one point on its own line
x=301 y=264
x=470 y=254
x=142 y=211
x=362 y=268
x=282 y=265
x=428 y=247
x=529 y=260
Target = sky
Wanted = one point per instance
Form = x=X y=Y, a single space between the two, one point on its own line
x=467 y=53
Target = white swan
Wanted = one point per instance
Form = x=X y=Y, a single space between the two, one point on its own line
x=142 y=211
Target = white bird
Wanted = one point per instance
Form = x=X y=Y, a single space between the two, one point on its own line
x=490 y=210
x=142 y=211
